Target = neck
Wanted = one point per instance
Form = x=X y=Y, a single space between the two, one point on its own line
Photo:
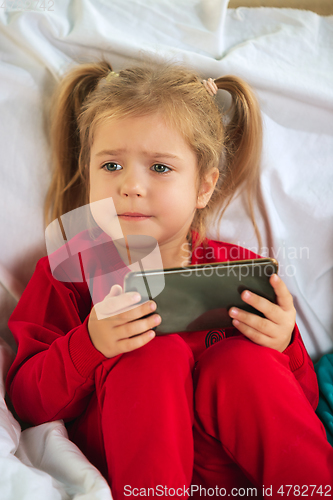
x=162 y=256
x=178 y=257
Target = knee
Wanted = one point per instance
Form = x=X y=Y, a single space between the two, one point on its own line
x=155 y=376
x=165 y=352
x=238 y=363
x=166 y=356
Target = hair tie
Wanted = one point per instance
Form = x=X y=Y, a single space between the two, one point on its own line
x=110 y=75
x=210 y=86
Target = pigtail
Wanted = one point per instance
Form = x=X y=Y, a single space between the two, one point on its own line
x=242 y=148
x=69 y=185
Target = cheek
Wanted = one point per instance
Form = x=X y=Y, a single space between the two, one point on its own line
x=178 y=202
x=104 y=213
x=186 y=194
x=98 y=188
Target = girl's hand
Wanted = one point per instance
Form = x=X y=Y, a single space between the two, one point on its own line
x=276 y=328
x=112 y=327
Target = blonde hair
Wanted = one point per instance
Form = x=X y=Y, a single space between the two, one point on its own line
x=89 y=94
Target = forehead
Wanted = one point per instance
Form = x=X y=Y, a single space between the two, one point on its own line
x=145 y=131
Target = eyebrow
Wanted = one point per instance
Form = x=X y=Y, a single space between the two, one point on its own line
x=155 y=154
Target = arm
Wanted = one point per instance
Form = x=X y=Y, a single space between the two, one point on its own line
x=278 y=330
x=299 y=360
x=300 y=364
x=52 y=375
x=61 y=342
x=302 y=367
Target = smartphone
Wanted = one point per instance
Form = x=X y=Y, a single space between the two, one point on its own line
x=198 y=297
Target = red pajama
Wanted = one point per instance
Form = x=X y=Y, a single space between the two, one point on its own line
x=251 y=407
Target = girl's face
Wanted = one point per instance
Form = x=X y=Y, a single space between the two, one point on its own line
x=150 y=172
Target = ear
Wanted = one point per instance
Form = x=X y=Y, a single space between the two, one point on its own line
x=207 y=187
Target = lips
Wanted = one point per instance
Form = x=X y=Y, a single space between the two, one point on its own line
x=133 y=214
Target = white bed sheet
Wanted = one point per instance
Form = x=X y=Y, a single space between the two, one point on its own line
x=285 y=54
x=41 y=463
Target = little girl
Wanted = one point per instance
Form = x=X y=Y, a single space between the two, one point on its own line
x=209 y=413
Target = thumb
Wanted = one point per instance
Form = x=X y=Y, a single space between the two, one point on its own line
x=115 y=290
x=104 y=309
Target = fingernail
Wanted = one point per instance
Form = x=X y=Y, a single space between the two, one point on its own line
x=157 y=319
x=247 y=294
x=151 y=334
x=234 y=311
x=136 y=297
x=153 y=306
x=235 y=322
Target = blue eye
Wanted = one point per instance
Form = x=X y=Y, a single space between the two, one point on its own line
x=159 y=166
x=113 y=167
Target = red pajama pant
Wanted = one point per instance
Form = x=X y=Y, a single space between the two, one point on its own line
x=252 y=424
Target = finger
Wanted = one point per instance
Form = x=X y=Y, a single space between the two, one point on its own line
x=115 y=304
x=129 y=314
x=283 y=296
x=279 y=342
x=262 y=325
x=253 y=334
x=138 y=326
x=136 y=312
x=130 y=344
x=271 y=311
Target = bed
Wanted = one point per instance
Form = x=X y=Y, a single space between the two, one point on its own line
x=285 y=54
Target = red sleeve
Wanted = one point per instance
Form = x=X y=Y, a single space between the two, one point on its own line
x=52 y=375
x=302 y=367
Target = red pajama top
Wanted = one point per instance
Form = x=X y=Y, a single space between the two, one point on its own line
x=52 y=376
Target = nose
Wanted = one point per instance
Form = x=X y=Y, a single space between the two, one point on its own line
x=133 y=183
